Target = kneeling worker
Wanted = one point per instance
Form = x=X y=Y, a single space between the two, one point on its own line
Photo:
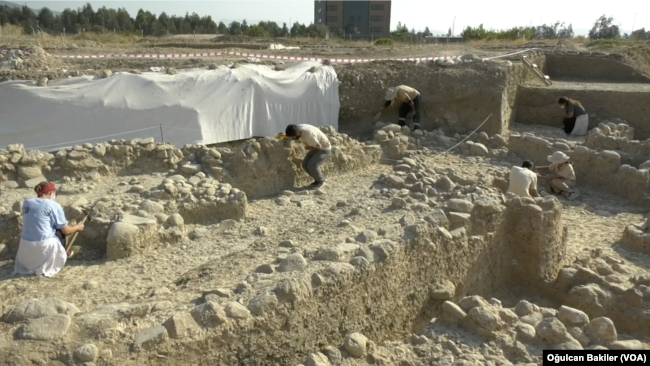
x=319 y=147
x=410 y=99
x=562 y=177
x=523 y=181
x=40 y=251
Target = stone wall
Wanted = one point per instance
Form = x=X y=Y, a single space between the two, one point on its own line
x=456 y=97
x=616 y=135
x=268 y=166
x=593 y=67
x=391 y=287
x=204 y=184
x=537 y=239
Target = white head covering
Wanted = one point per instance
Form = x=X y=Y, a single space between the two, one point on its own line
x=558 y=157
x=391 y=93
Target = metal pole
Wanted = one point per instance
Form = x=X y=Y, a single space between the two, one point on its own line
x=162 y=137
x=633 y=23
x=453 y=27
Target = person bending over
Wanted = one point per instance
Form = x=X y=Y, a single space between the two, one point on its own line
x=562 y=177
x=523 y=181
x=410 y=99
x=40 y=251
x=576 y=120
x=319 y=148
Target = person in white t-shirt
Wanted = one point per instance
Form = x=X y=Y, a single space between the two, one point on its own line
x=523 y=181
x=319 y=146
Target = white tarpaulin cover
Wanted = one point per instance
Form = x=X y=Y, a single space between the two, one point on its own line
x=193 y=107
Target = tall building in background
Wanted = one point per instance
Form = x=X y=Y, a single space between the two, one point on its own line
x=359 y=19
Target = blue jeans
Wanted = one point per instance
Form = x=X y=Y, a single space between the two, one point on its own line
x=313 y=161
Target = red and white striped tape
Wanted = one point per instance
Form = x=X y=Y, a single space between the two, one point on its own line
x=256 y=55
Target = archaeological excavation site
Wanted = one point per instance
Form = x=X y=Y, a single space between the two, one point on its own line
x=413 y=254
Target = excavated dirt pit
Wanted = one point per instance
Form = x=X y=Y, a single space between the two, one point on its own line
x=210 y=256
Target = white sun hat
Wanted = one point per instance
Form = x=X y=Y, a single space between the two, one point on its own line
x=391 y=93
x=558 y=157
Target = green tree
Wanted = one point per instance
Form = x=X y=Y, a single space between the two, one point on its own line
x=46 y=18
x=604 y=29
x=222 y=28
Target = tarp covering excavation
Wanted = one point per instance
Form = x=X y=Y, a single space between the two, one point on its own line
x=193 y=107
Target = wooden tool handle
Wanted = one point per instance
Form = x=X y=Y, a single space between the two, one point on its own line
x=74 y=236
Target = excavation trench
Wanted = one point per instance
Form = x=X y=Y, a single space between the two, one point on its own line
x=393 y=291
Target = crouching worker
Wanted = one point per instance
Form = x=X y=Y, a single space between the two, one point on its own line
x=576 y=120
x=562 y=176
x=319 y=148
x=410 y=99
x=523 y=181
x=40 y=251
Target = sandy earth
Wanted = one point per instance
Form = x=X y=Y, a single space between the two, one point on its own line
x=595 y=220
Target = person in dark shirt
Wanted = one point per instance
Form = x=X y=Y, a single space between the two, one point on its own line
x=576 y=120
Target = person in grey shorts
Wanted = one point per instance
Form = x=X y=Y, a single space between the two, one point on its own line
x=319 y=147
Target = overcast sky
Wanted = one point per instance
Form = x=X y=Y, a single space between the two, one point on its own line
x=437 y=15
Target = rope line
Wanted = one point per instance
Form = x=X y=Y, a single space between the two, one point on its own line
x=463 y=140
x=93 y=138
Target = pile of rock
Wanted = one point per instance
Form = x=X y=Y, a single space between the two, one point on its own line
x=413 y=180
x=615 y=134
x=601 y=285
x=637 y=239
x=11 y=61
x=618 y=135
x=527 y=328
x=400 y=141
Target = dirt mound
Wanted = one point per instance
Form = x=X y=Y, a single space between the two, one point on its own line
x=235 y=39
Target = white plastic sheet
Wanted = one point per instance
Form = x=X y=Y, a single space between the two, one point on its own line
x=193 y=107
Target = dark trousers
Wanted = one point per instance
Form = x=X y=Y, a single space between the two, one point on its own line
x=61 y=237
x=313 y=161
x=404 y=110
x=569 y=124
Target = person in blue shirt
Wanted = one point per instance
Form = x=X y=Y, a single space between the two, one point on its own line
x=40 y=251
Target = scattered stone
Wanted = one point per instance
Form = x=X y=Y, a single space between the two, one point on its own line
x=367 y=237
x=263 y=303
x=87 y=353
x=317 y=359
x=552 y=331
x=238 y=311
x=355 y=344
x=445 y=291
x=525 y=333
x=293 y=262
x=572 y=317
x=34 y=309
x=328 y=254
x=631 y=345
x=48 y=328
x=333 y=355
x=524 y=308
x=209 y=315
x=479 y=149
x=149 y=338
x=601 y=331
x=265 y=268
x=191 y=169
x=452 y=312
x=288 y=244
x=175 y=220
x=485 y=318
